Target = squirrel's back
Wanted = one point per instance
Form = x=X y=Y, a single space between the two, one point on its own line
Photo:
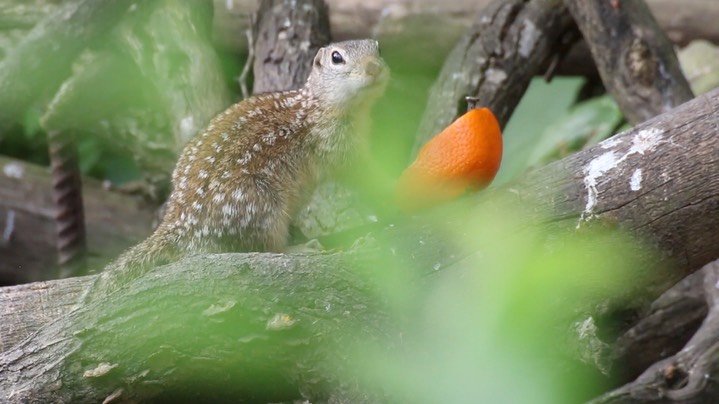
x=237 y=185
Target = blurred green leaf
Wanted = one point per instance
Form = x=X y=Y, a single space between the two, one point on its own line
x=31 y=123
x=501 y=317
x=89 y=152
x=585 y=124
x=700 y=63
x=541 y=105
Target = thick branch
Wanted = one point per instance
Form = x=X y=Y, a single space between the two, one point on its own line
x=634 y=57
x=659 y=180
x=599 y=185
x=494 y=61
x=690 y=375
x=439 y=28
x=288 y=35
x=114 y=222
x=257 y=323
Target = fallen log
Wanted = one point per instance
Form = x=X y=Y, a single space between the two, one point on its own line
x=689 y=374
x=114 y=222
x=294 y=303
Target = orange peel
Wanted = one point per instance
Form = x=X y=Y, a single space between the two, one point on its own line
x=465 y=156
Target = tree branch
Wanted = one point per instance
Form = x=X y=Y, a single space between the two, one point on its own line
x=689 y=375
x=393 y=22
x=114 y=222
x=635 y=59
x=288 y=35
x=494 y=61
x=283 y=300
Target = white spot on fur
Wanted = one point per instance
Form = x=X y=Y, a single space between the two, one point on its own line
x=203 y=174
x=635 y=183
x=238 y=195
x=269 y=139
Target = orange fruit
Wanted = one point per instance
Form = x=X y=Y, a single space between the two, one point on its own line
x=464 y=156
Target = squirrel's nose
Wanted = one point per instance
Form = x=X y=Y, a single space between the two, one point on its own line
x=373 y=67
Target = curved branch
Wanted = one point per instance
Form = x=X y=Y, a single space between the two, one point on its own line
x=596 y=185
x=635 y=58
x=494 y=61
x=690 y=374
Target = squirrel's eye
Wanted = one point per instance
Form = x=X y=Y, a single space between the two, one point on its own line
x=337 y=58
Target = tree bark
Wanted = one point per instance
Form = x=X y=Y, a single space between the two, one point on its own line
x=634 y=57
x=688 y=375
x=114 y=222
x=283 y=299
x=494 y=61
x=288 y=35
x=250 y=334
x=363 y=19
x=396 y=22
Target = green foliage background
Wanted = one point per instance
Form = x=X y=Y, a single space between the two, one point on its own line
x=502 y=313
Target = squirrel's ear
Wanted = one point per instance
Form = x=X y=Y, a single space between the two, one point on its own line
x=318 y=58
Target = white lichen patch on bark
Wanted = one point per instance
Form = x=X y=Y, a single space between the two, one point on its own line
x=644 y=141
x=219 y=308
x=592 y=172
x=280 y=321
x=112 y=397
x=496 y=76
x=101 y=370
x=635 y=183
x=528 y=39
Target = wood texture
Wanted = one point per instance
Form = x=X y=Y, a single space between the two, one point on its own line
x=114 y=221
x=689 y=374
x=384 y=18
x=494 y=61
x=432 y=27
x=288 y=35
x=251 y=334
x=249 y=291
x=633 y=55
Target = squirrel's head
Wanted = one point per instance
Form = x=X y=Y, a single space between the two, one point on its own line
x=350 y=72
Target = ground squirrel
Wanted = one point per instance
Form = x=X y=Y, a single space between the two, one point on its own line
x=237 y=185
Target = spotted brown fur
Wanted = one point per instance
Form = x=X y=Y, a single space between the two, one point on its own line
x=237 y=185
